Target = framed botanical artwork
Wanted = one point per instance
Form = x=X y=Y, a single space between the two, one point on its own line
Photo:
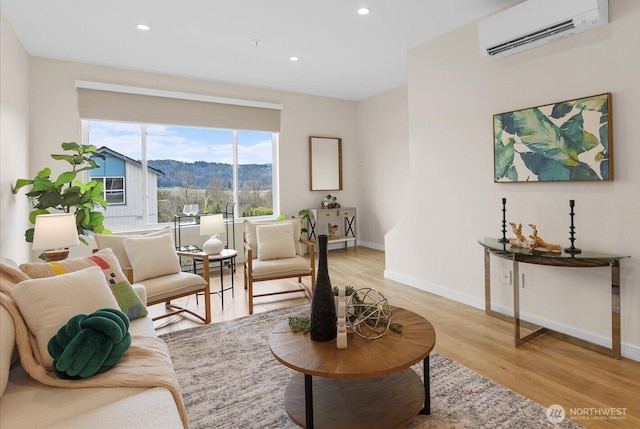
x=566 y=141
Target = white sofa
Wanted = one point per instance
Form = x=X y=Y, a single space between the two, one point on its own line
x=26 y=403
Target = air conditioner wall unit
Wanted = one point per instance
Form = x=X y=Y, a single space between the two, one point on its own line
x=538 y=22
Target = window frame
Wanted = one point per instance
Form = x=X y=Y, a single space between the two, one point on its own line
x=275 y=188
x=106 y=191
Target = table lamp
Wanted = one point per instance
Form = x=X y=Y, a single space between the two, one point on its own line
x=54 y=233
x=213 y=226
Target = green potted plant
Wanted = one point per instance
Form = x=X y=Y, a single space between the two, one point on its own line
x=304 y=220
x=66 y=194
x=348 y=291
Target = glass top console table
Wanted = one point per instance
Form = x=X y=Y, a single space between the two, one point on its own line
x=583 y=259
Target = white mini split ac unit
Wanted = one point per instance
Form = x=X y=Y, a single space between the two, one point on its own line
x=537 y=22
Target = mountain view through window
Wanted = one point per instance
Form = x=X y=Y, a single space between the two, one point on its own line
x=169 y=167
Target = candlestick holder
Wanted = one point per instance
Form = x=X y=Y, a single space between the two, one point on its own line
x=572 y=235
x=504 y=238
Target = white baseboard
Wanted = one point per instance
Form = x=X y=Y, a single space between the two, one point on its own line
x=437 y=290
x=628 y=351
x=374 y=246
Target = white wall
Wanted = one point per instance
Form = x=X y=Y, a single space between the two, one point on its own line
x=453 y=93
x=383 y=160
x=14 y=141
x=53 y=118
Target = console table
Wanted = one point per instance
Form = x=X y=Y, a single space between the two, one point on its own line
x=585 y=259
x=319 y=218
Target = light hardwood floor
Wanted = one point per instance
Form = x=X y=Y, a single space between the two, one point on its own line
x=546 y=370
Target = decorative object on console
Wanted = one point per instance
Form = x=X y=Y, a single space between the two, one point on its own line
x=332 y=231
x=212 y=225
x=330 y=202
x=572 y=229
x=89 y=345
x=538 y=243
x=323 y=308
x=504 y=222
x=566 y=141
x=520 y=240
x=54 y=233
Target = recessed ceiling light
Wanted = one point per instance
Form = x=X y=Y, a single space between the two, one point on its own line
x=143 y=27
x=255 y=42
x=294 y=58
x=364 y=11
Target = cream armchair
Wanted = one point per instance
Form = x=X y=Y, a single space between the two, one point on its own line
x=273 y=250
x=151 y=260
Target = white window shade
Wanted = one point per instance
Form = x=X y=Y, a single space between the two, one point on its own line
x=157 y=109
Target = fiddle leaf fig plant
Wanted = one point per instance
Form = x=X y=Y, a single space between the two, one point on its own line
x=67 y=194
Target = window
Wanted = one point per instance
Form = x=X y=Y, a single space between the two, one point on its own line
x=113 y=189
x=170 y=166
x=255 y=196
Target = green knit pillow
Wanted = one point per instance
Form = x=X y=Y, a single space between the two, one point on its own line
x=89 y=345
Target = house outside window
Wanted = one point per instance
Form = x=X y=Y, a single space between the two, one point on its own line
x=111 y=172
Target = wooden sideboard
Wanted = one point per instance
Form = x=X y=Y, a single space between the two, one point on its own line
x=344 y=217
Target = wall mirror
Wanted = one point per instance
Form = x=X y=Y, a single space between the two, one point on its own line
x=325 y=163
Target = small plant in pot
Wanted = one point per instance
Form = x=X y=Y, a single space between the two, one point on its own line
x=304 y=220
x=66 y=194
x=348 y=291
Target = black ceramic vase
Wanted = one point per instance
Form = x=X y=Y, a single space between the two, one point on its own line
x=323 y=308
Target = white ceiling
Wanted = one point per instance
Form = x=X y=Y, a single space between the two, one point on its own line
x=342 y=54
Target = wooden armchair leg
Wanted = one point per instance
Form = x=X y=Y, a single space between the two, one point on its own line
x=250 y=293
x=207 y=307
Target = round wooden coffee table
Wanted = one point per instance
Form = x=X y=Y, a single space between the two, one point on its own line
x=368 y=384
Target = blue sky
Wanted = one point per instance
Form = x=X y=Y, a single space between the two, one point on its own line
x=186 y=144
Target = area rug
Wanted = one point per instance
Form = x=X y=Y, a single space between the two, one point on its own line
x=230 y=379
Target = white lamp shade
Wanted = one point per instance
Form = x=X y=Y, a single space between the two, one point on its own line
x=55 y=231
x=211 y=225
